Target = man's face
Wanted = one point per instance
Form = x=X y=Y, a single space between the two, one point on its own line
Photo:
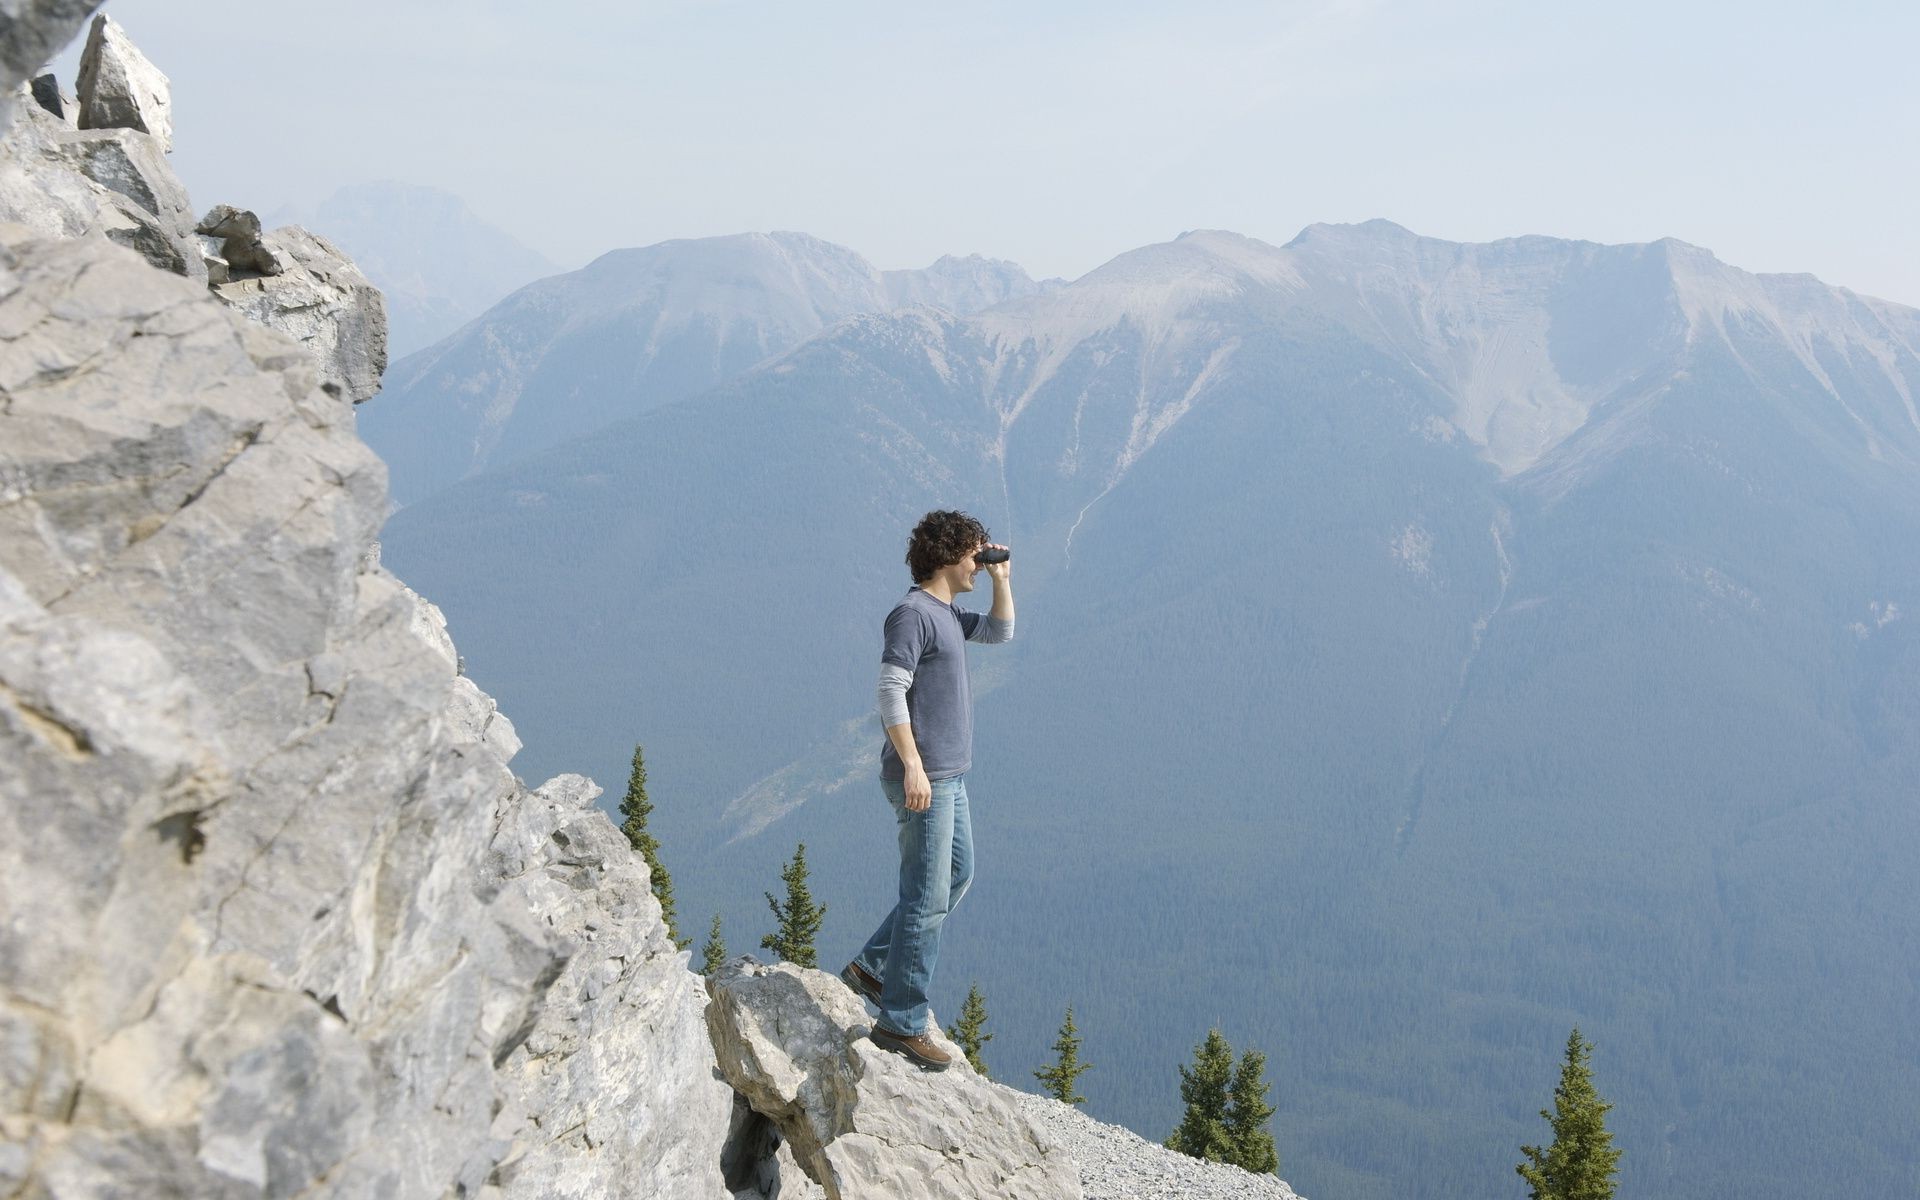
x=968 y=569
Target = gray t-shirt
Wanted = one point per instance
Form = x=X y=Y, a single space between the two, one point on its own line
x=927 y=639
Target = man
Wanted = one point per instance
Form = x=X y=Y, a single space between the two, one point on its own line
x=926 y=707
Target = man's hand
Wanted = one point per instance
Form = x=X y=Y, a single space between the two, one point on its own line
x=919 y=790
x=1000 y=570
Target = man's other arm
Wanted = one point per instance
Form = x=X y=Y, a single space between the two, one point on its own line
x=894 y=682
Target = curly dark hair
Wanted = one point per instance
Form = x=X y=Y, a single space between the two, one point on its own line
x=940 y=540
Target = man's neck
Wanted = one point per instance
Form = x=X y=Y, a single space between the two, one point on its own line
x=940 y=589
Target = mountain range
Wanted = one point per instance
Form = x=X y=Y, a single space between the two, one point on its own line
x=1423 y=648
x=633 y=330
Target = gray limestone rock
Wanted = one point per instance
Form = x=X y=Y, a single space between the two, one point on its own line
x=241 y=246
x=119 y=88
x=31 y=32
x=69 y=182
x=862 y=1121
x=275 y=917
x=322 y=301
x=226 y=221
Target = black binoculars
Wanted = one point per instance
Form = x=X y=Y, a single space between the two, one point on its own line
x=991 y=555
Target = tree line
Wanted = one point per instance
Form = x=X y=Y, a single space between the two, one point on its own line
x=1226 y=1111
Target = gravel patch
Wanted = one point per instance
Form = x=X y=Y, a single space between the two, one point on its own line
x=1118 y=1164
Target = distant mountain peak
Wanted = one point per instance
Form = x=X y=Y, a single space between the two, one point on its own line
x=438 y=263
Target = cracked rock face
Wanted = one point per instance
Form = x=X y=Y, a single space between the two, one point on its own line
x=276 y=918
x=861 y=1121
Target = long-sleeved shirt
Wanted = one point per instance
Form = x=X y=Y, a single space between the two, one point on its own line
x=923 y=681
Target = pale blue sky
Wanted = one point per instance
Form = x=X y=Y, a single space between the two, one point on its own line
x=1781 y=136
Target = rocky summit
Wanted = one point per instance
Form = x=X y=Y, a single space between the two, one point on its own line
x=276 y=916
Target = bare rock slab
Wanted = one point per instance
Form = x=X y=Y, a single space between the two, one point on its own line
x=119 y=87
x=863 y=1122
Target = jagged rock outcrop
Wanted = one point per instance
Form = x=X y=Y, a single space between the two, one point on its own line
x=110 y=176
x=277 y=919
x=67 y=182
x=861 y=1121
x=320 y=299
x=120 y=89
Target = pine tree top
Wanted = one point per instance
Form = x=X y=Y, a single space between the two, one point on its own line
x=1581 y=1162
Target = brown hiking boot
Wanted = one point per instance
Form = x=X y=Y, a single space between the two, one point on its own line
x=855 y=976
x=921 y=1048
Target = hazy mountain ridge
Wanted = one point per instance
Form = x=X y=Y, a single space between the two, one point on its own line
x=437 y=262
x=633 y=330
x=1425 y=758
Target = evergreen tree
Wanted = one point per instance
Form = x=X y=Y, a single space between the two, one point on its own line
x=634 y=808
x=1202 y=1132
x=969 y=1033
x=1059 y=1078
x=714 y=954
x=1247 y=1115
x=1581 y=1162
x=799 y=919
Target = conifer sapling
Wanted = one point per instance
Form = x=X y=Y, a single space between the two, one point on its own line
x=1247 y=1116
x=969 y=1032
x=1059 y=1079
x=1202 y=1132
x=799 y=918
x=634 y=807
x=1581 y=1163
x=714 y=954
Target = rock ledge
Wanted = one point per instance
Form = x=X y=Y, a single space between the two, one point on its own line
x=861 y=1121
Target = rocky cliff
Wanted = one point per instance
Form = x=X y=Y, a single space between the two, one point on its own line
x=278 y=919
x=276 y=916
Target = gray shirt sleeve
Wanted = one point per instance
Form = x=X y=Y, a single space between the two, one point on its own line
x=992 y=629
x=894 y=682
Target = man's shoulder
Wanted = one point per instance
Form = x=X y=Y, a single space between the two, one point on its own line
x=918 y=605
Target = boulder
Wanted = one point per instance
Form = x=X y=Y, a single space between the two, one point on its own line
x=322 y=301
x=277 y=917
x=240 y=244
x=31 y=32
x=120 y=89
x=67 y=182
x=862 y=1121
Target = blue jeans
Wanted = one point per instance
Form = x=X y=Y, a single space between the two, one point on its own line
x=936 y=865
